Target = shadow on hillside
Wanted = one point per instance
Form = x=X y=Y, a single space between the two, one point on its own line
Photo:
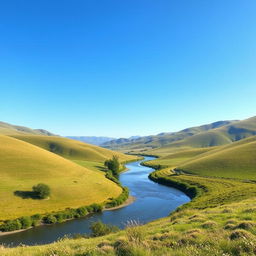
x=26 y=194
x=103 y=169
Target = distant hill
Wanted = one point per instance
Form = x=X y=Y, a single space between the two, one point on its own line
x=162 y=139
x=9 y=129
x=92 y=139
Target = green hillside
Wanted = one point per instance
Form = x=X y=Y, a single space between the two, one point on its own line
x=162 y=139
x=215 y=134
x=72 y=149
x=23 y=165
x=237 y=161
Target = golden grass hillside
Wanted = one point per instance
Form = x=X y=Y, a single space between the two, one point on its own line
x=237 y=160
x=23 y=165
x=72 y=149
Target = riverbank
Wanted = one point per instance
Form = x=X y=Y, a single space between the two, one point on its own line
x=129 y=201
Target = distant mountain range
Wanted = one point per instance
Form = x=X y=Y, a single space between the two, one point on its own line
x=214 y=134
x=91 y=139
x=99 y=140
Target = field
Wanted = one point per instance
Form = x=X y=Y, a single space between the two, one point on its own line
x=73 y=184
x=220 y=219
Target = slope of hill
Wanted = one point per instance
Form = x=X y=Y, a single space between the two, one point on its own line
x=163 y=139
x=237 y=160
x=95 y=140
x=9 y=129
x=23 y=165
x=72 y=149
x=215 y=134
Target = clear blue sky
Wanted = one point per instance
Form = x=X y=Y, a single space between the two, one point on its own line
x=130 y=67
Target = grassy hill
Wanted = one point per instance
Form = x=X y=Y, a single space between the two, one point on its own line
x=237 y=160
x=220 y=220
x=162 y=139
x=9 y=129
x=215 y=134
x=72 y=149
x=23 y=165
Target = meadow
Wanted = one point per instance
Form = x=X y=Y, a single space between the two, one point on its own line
x=219 y=220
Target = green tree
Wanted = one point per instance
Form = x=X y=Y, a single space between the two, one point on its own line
x=42 y=190
x=113 y=165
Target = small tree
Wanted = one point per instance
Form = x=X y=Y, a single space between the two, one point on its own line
x=113 y=165
x=42 y=190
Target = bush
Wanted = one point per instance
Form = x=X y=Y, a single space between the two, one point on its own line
x=25 y=222
x=50 y=219
x=11 y=225
x=82 y=211
x=101 y=229
x=96 y=207
x=42 y=190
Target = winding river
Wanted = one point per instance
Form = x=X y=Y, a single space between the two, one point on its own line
x=153 y=201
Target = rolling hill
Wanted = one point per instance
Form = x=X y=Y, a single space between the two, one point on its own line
x=215 y=134
x=237 y=160
x=9 y=129
x=162 y=139
x=72 y=149
x=23 y=165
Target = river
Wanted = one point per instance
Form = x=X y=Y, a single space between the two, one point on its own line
x=153 y=201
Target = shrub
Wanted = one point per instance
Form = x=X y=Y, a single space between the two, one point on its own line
x=42 y=190
x=101 y=229
x=60 y=217
x=50 y=219
x=11 y=225
x=82 y=211
x=96 y=208
x=25 y=222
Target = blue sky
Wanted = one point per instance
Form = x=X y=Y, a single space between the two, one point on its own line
x=122 y=68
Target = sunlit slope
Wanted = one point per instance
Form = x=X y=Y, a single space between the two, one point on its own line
x=178 y=158
x=23 y=165
x=237 y=160
x=9 y=129
x=72 y=149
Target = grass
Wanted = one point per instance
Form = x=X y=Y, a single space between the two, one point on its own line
x=23 y=165
x=72 y=149
x=215 y=134
x=220 y=219
x=235 y=161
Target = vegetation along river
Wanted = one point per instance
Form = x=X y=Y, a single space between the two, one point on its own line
x=152 y=201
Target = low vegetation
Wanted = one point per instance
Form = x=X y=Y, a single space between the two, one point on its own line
x=219 y=220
